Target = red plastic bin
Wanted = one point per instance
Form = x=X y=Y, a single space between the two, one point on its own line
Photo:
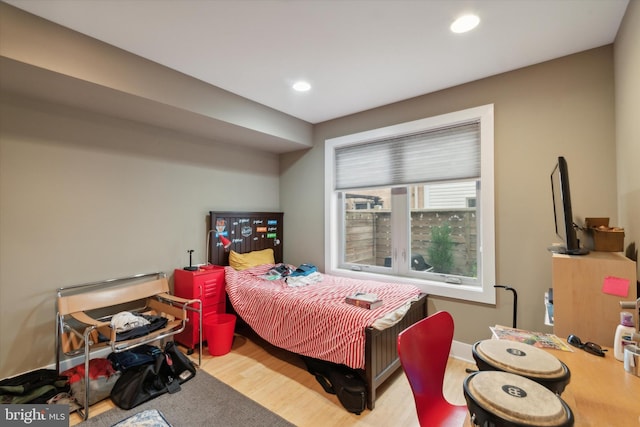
x=218 y=330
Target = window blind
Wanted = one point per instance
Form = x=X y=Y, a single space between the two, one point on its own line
x=442 y=154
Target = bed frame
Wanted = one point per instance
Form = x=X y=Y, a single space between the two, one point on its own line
x=250 y=231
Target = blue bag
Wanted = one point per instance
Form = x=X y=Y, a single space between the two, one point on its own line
x=304 y=270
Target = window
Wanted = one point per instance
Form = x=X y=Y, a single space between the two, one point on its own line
x=413 y=203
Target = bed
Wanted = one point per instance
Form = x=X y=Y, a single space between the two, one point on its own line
x=308 y=316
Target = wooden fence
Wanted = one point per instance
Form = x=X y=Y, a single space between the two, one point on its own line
x=369 y=236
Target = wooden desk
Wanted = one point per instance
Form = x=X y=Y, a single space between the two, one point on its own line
x=601 y=393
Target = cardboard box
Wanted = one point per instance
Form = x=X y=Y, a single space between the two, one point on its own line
x=597 y=222
x=603 y=237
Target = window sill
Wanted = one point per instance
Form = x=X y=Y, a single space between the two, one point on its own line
x=475 y=293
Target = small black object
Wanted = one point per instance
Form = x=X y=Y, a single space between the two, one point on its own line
x=419 y=264
x=191 y=267
x=515 y=302
x=589 y=347
x=281 y=269
x=340 y=380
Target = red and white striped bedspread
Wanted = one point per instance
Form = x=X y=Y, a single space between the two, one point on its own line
x=312 y=320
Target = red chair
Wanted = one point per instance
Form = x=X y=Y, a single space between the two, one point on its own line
x=424 y=350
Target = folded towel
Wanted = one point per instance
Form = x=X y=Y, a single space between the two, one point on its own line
x=296 y=281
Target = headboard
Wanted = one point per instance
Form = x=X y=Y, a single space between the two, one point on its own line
x=247 y=231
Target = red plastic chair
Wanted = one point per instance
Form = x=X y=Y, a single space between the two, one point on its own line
x=424 y=349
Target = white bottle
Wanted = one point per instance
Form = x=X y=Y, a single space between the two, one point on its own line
x=624 y=335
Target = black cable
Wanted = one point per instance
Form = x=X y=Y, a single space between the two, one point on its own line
x=515 y=302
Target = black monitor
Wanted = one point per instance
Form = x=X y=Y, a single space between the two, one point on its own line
x=565 y=227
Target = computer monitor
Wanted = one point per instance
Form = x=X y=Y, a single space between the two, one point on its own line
x=563 y=214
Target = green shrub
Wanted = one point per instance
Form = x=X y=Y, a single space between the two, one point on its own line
x=441 y=249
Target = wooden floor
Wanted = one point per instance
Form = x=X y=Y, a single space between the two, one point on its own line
x=279 y=381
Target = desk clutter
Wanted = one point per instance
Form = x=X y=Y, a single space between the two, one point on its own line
x=517 y=384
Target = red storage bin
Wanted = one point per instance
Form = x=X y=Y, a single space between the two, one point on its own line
x=207 y=285
x=219 y=330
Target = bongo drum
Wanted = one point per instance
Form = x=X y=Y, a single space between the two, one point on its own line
x=503 y=399
x=522 y=359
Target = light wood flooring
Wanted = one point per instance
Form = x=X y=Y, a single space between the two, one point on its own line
x=279 y=381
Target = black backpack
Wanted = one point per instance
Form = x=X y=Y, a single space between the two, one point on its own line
x=340 y=380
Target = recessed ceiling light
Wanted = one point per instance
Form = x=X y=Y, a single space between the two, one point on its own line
x=465 y=23
x=301 y=86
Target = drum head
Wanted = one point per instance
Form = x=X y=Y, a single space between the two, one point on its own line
x=520 y=358
x=516 y=399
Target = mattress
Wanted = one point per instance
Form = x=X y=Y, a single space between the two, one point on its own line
x=313 y=319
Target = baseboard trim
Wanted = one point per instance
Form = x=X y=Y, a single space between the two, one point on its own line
x=462 y=351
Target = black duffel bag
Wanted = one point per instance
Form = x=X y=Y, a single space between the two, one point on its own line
x=142 y=383
x=340 y=380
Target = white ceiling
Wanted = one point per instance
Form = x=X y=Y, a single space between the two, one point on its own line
x=357 y=54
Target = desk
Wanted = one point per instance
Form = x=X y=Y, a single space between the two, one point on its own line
x=600 y=392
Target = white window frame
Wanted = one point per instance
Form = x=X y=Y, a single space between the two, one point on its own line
x=484 y=291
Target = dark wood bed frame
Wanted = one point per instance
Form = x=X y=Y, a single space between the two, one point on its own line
x=251 y=231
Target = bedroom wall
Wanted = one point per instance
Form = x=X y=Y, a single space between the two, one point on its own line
x=561 y=107
x=87 y=197
x=109 y=164
x=627 y=70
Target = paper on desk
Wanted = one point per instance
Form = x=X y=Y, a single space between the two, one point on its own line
x=536 y=339
x=615 y=286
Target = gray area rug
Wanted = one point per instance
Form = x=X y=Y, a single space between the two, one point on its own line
x=203 y=401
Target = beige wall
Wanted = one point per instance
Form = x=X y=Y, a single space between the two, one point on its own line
x=112 y=170
x=562 y=107
x=85 y=197
x=627 y=70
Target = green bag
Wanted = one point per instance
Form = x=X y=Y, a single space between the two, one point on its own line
x=33 y=387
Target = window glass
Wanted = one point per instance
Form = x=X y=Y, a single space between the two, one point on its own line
x=444 y=229
x=368 y=227
x=406 y=201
